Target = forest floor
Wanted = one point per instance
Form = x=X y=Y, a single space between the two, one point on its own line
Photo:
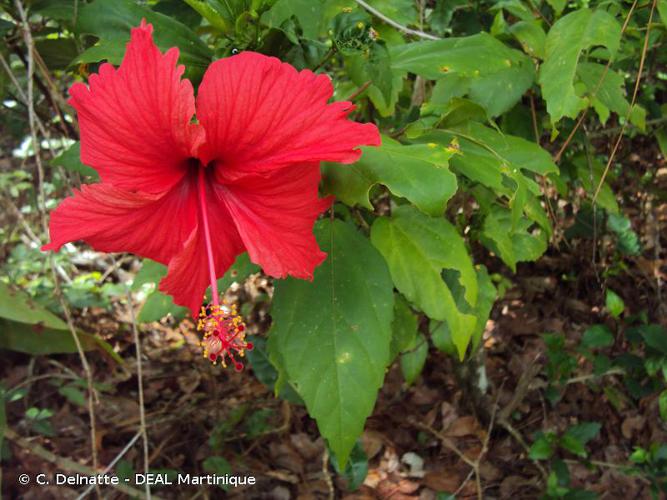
x=421 y=439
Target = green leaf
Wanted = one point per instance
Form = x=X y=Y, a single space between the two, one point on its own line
x=404 y=327
x=492 y=74
x=70 y=159
x=662 y=10
x=57 y=52
x=662 y=405
x=605 y=88
x=412 y=361
x=57 y=9
x=627 y=239
x=558 y=6
x=218 y=466
x=179 y=9
x=356 y=469
x=150 y=272
x=589 y=173
x=655 y=336
x=219 y=15
x=614 y=303
x=492 y=158
x=418 y=248
x=35 y=339
x=541 y=449
x=418 y=173
x=401 y=11
x=157 y=306
x=531 y=36
x=73 y=394
x=266 y=373
x=597 y=336
x=379 y=69
x=513 y=242
x=104 y=50
x=357 y=68
x=25 y=326
x=111 y=22
x=308 y=12
x=3 y=417
x=442 y=337
x=16 y=305
x=331 y=336
x=576 y=437
x=485 y=299
x=238 y=272
x=567 y=39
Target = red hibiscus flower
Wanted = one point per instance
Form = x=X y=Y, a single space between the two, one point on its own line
x=194 y=194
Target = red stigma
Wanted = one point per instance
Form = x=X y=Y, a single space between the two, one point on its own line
x=224 y=335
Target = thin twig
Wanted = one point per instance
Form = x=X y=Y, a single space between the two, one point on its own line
x=593 y=376
x=140 y=382
x=395 y=24
x=519 y=439
x=23 y=99
x=444 y=440
x=359 y=91
x=632 y=103
x=612 y=130
x=112 y=463
x=65 y=463
x=27 y=35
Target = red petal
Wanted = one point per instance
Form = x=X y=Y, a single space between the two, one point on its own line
x=116 y=220
x=260 y=114
x=188 y=275
x=274 y=215
x=135 y=121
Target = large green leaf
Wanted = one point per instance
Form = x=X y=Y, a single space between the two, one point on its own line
x=15 y=305
x=26 y=326
x=496 y=160
x=331 y=336
x=492 y=74
x=567 y=39
x=111 y=22
x=418 y=173
x=36 y=339
x=418 y=249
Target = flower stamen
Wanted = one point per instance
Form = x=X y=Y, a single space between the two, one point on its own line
x=222 y=326
x=224 y=335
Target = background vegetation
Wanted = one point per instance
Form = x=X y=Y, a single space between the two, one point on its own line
x=500 y=262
